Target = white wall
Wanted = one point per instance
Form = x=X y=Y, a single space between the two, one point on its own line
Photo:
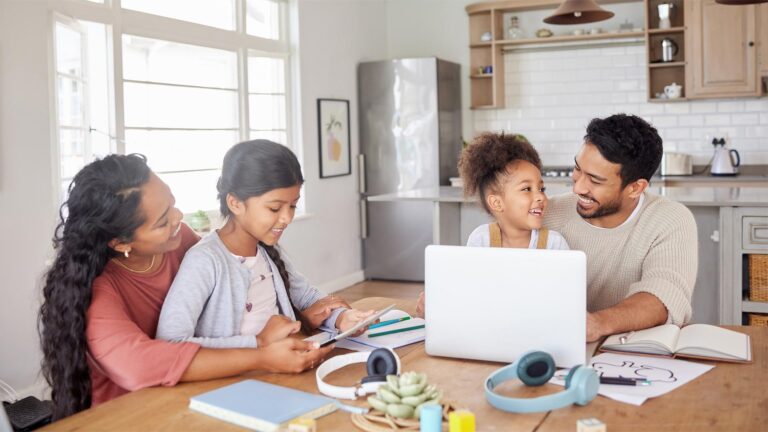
x=334 y=36
x=26 y=187
x=552 y=95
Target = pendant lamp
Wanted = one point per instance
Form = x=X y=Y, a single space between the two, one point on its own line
x=740 y=2
x=578 y=12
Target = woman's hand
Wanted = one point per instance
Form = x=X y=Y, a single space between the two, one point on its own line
x=278 y=327
x=349 y=318
x=292 y=356
x=321 y=310
x=420 y=306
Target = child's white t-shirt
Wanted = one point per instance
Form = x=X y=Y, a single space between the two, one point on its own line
x=481 y=237
x=261 y=301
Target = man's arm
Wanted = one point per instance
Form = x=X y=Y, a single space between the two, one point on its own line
x=636 y=312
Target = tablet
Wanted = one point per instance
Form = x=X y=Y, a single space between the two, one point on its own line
x=366 y=322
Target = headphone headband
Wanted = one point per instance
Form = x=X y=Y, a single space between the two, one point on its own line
x=580 y=387
x=385 y=355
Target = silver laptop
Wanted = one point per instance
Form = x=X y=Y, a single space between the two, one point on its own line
x=497 y=303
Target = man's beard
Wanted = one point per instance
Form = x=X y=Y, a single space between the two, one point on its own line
x=606 y=209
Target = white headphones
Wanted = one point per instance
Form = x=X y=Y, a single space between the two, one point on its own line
x=379 y=363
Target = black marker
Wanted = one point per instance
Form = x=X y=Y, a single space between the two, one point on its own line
x=624 y=381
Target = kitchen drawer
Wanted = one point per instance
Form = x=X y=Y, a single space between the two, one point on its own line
x=754 y=232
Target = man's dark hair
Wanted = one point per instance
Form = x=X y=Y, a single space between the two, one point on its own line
x=629 y=141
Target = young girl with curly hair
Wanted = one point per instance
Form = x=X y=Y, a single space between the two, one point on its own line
x=504 y=171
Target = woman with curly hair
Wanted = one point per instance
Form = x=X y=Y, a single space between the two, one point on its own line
x=504 y=172
x=119 y=244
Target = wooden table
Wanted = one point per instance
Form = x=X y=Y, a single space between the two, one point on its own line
x=730 y=397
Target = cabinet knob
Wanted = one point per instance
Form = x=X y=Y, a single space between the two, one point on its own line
x=751 y=43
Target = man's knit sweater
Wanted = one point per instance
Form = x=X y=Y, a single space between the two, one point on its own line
x=656 y=252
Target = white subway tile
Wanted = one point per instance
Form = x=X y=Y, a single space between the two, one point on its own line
x=664 y=122
x=651 y=108
x=627 y=85
x=624 y=60
x=636 y=97
x=691 y=120
x=745 y=119
x=764 y=118
x=703 y=107
x=717 y=120
x=677 y=108
x=730 y=106
x=757 y=132
x=756 y=105
x=610 y=51
x=676 y=133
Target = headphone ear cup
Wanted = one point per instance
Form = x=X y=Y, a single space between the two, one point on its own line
x=584 y=382
x=535 y=368
x=381 y=362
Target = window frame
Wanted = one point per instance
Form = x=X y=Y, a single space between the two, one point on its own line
x=121 y=22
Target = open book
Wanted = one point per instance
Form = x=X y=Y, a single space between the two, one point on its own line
x=701 y=341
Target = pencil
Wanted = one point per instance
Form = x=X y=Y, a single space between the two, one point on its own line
x=404 y=329
x=388 y=322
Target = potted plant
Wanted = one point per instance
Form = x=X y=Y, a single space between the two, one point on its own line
x=199 y=221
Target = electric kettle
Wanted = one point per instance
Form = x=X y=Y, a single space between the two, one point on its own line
x=725 y=162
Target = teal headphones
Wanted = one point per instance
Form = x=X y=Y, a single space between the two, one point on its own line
x=535 y=368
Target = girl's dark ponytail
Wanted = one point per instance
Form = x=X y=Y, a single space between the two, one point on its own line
x=103 y=204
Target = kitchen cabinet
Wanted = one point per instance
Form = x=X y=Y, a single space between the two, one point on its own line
x=722 y=50
x=745 y=232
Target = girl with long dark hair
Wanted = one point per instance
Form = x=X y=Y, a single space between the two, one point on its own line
x=119 y=244
x=235 y=288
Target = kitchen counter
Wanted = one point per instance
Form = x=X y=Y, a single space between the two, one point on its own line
x=689 y=196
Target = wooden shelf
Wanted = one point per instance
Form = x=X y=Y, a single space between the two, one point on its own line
x=481 y=76
x=667 y=30
x=483 y=107
x=571 y=38
x=667 y=64
x=481 y=45
x=657 y=100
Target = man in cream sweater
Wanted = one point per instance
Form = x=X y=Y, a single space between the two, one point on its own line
x=642 y=251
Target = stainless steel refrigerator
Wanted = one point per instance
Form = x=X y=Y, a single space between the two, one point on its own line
x=410 y=138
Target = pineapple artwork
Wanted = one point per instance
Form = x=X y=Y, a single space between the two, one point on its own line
x=333 y=137
x=333 y=143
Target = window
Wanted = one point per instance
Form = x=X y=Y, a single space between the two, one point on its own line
x=186 y=91
x=214 y=13
x=81 y=86
x=267 y=98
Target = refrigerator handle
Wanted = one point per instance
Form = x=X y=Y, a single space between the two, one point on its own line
x=361 y=172
x=363 y=219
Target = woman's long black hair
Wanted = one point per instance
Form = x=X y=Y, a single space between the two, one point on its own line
x=103 y=204
x=253 y=168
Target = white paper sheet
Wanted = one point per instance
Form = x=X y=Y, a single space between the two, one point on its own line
x=665 y=375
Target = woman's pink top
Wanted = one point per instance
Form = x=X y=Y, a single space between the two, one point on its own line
x=121 y=323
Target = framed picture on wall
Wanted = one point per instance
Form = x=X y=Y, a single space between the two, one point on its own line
x=333 y=136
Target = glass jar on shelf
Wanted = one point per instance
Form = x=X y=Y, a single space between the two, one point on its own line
x=514 y=31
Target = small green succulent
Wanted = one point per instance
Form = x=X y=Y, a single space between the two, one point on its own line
x=404 y=396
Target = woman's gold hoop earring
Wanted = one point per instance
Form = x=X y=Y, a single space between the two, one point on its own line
x=126 y=253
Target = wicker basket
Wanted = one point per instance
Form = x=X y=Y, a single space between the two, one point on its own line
x=758 y=278
x=758 y=320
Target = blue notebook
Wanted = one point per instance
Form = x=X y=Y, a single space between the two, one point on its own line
x=261 y=406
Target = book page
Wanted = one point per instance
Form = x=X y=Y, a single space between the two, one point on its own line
x=655 y=340
x=712 y=341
